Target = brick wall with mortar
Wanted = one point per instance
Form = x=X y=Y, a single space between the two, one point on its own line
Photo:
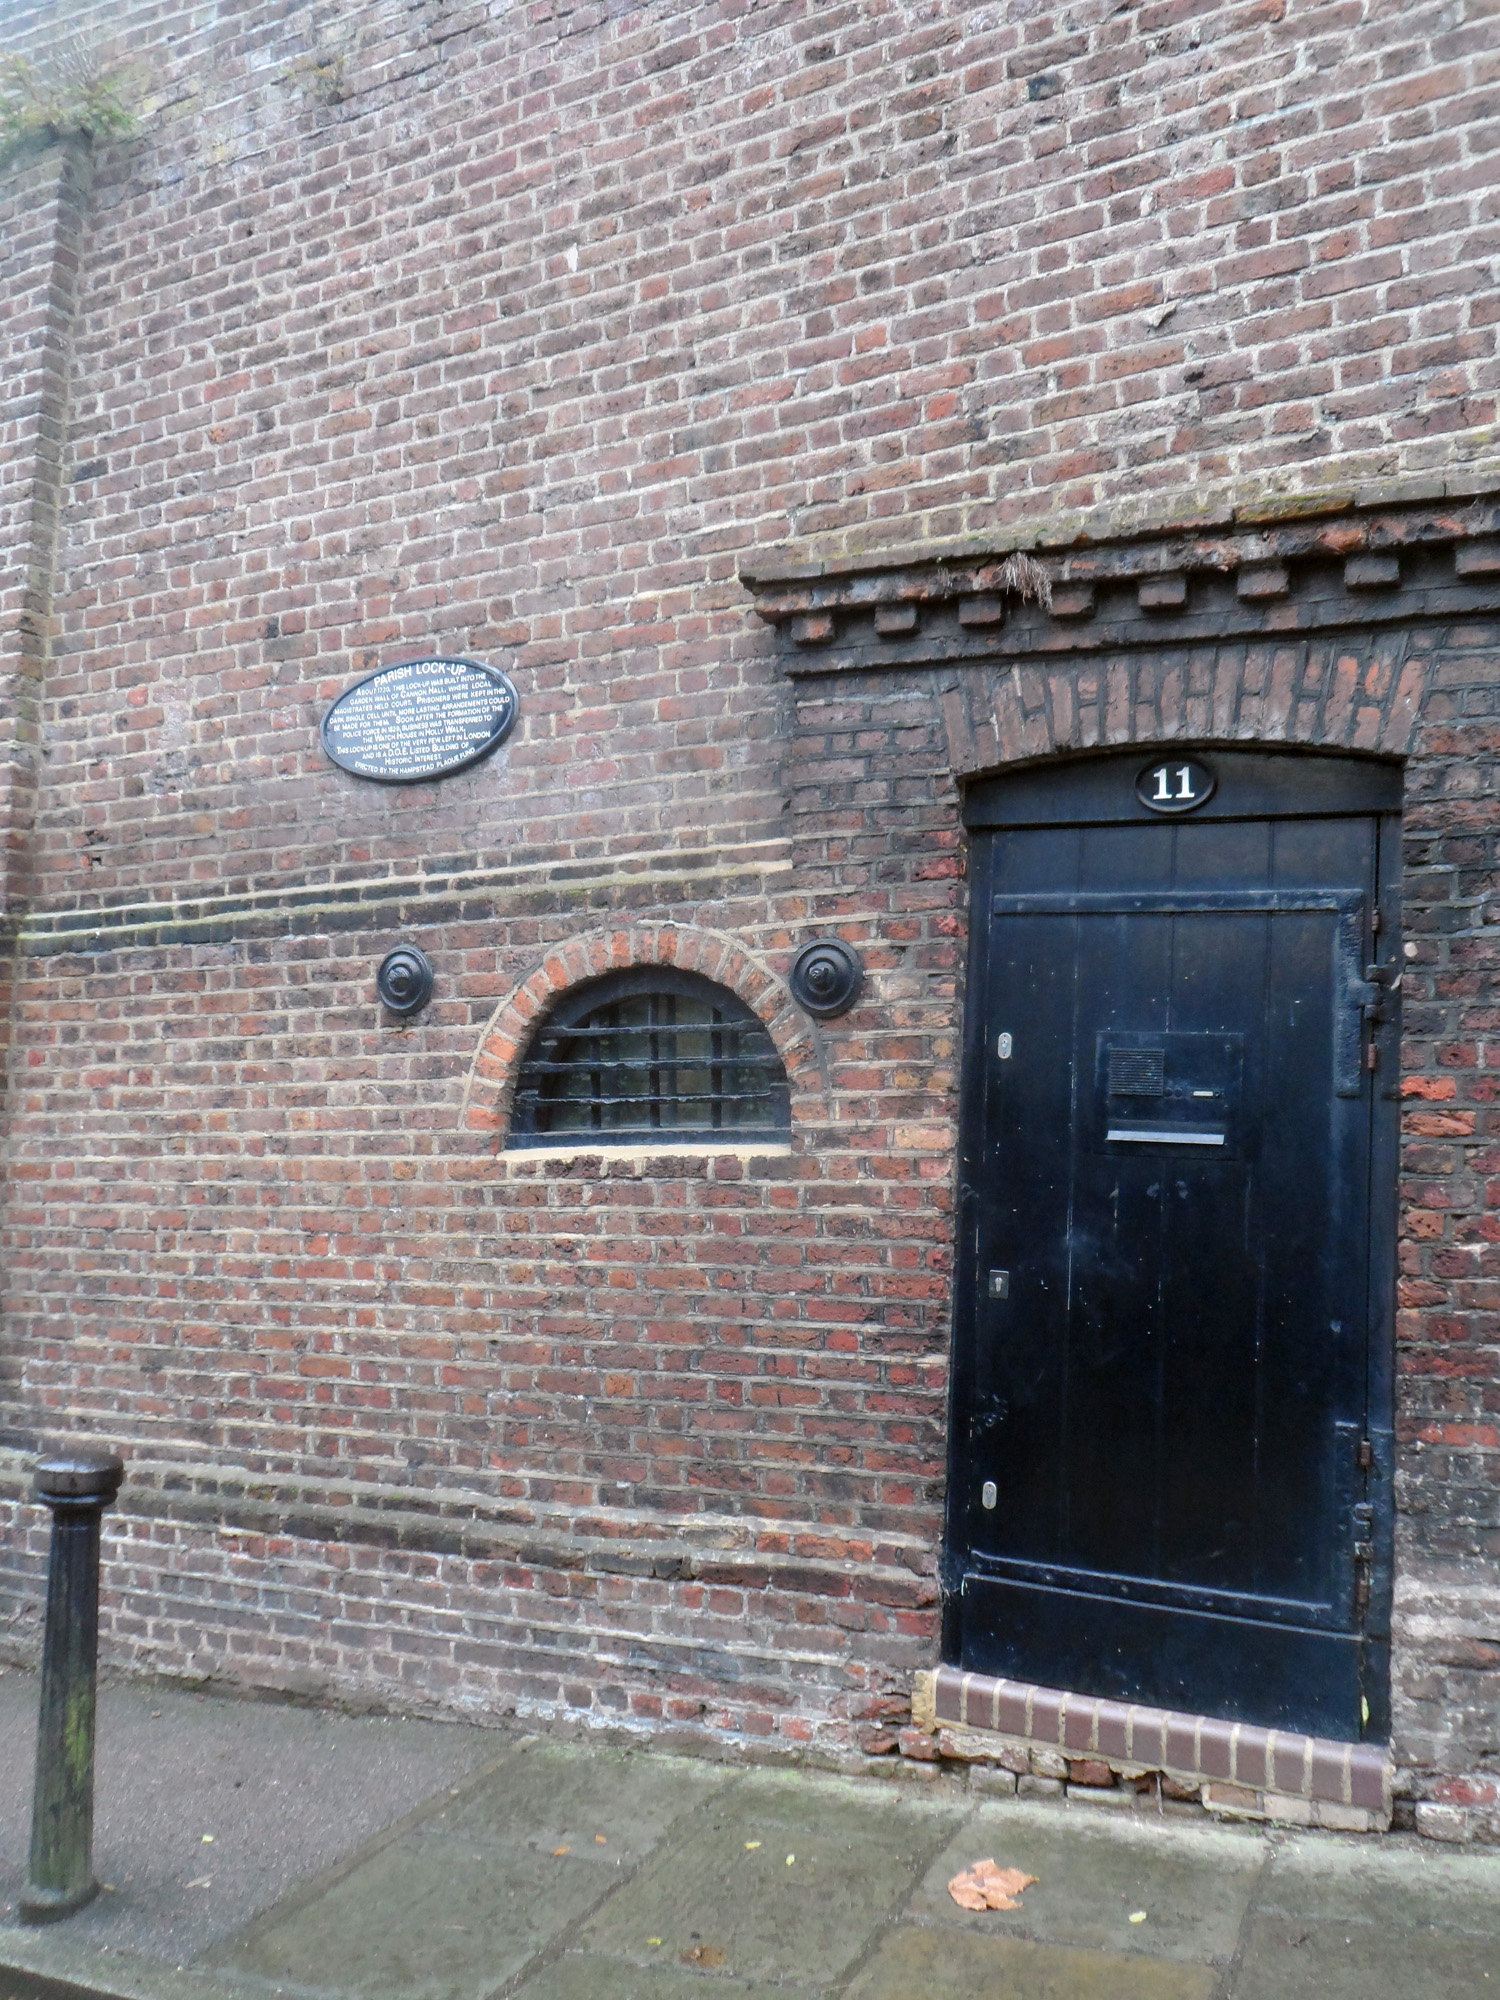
x=41 y=214
x=518 y=335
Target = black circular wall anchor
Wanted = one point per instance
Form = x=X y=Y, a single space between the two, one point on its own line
x=826 y=977
x=404 y=981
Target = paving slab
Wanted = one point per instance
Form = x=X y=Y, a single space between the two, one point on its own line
x=44 y=1964
x=1310 y=1958
x=428 y=1918
x=604 y=1804
x=458 y=1904
x=1405 y=1885
x=285 y=1792
x=788 y=1876
x=1340 y=1919
x=1095 y=1871
x=580 y=1976
x=915 y=1962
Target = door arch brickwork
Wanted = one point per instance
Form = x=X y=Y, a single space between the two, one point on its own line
x=1323 y=693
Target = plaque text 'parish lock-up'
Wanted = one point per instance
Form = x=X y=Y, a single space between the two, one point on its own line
x=423 y=719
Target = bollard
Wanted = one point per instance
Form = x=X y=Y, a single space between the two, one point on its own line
x=77 y=1486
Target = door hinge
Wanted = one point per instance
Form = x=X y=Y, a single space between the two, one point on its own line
x=1364 y=1458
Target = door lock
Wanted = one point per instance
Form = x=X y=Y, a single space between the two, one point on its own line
x=999 y=1284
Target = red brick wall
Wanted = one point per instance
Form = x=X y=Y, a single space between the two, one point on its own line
x=515 y=333
x=1448 y=1319
x=521 y=342
x=41 y=201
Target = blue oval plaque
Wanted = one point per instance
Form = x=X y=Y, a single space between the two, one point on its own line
x=422 y=719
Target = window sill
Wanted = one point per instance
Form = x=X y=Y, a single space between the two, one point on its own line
x=660 y=1162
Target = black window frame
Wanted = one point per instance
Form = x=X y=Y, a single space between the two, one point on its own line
x=566 y=1020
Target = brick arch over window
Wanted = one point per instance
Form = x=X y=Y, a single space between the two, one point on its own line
x=1319 y=693
x=492 y=1080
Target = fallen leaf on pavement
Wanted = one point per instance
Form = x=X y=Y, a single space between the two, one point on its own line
x=1137 y=1917
x=703 y=1954
x=559 y=1851
x=985 y=1886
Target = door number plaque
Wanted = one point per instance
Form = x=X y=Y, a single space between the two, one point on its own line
x=1179 y=785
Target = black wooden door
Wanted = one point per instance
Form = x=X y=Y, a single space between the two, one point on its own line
x=1170 y=1464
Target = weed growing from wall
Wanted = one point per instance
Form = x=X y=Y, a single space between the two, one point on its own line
x=72 y=93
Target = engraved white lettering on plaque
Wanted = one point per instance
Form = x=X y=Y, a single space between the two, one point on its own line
x=422 y=719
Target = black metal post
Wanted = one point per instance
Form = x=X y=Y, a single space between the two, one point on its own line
x=77 y=1486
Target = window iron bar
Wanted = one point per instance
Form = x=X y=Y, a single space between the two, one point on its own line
x=685 y=1031
x=638 y=1099
x=652 y=1062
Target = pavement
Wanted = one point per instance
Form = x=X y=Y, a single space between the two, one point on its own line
x=252 y=1849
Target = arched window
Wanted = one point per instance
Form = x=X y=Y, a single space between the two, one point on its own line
x=651 y=1053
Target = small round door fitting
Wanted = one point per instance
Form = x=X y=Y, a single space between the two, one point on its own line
x=826 y=977
x=404 y=980
x=1175 y=785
